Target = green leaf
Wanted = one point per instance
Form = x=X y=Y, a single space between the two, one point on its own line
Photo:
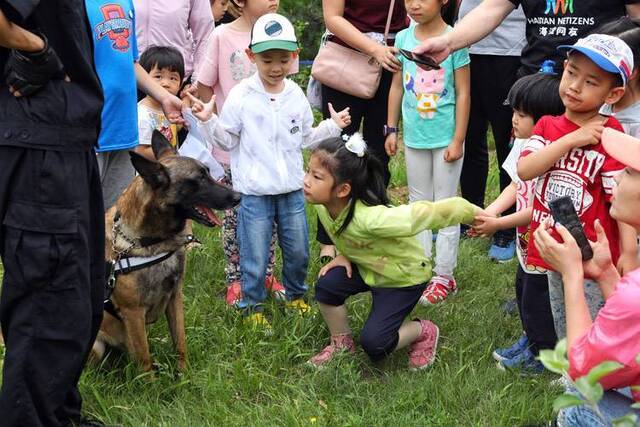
x=601 y=370
x=555 y=360
x=566 y=400
x=638 y=359
x=561 y=348
x=592 y=393
x=628 y=420
x=635 y=405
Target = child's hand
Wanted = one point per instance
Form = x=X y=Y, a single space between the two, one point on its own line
x=342 y=118
x=453 y=152
x=339 y=261
x=202 y=111
x=391 y=144
x=589 y=134
x=486 y=226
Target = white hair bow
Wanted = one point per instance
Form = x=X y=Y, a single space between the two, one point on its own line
x=355 y=144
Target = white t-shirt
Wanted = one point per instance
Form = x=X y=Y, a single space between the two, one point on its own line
x=524 y=199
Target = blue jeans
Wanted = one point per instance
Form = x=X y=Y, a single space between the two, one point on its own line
x=614 y=404
x=255 y=221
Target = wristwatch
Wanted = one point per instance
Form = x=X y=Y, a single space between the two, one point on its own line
x=389 y=130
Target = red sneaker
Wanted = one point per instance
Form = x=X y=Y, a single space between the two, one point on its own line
x=339 y=344
x=438 y=289
x=422 y=352
x=275 y=288
x=234 y=293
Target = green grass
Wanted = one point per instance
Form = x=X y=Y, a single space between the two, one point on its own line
x=239 y=377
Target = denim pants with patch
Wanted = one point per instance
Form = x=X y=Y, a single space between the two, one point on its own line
x=592 y=294
x=255 y=221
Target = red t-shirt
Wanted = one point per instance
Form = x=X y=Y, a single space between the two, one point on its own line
x=586 y=174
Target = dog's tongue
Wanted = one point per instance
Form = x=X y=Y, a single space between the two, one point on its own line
x=211 y=216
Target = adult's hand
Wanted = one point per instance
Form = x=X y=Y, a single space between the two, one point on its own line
x=437 y=47
x=28 y=72
x=601 y=261
x=172 y=108
x=565 y=258
x=386 y=56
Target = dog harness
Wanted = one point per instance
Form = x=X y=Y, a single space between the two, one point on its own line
x=125 y=265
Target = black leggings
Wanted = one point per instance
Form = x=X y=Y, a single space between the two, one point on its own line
x=532 y=295
x=372 y=113
x=389 y=307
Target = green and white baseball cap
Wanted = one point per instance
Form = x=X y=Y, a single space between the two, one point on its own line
x=273 y=31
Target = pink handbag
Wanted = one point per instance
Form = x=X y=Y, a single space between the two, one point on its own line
x=348 y=70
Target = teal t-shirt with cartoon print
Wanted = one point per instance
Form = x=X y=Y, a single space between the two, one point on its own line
x=429 y=98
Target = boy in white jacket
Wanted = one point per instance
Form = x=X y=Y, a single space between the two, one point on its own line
x=265 y=123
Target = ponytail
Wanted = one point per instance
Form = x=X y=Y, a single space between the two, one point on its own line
x=349 y=161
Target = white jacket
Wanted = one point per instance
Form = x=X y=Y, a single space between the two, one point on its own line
x=265 y=137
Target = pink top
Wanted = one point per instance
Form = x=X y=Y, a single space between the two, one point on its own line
x=183 y=24
x=224 y=65
x=614 y=336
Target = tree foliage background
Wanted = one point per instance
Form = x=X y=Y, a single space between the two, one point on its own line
x=306 y=15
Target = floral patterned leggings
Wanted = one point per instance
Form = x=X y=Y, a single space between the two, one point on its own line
x=230 y=241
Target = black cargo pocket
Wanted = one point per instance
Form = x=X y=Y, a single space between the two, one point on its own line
x=41 y=246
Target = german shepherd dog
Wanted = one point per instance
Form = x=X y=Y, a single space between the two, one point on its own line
x=150 y=218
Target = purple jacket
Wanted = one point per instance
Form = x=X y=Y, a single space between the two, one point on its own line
x=183 y=24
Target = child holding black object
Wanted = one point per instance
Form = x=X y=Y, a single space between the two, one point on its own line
x=378 y=252
x=531 y=97
x=566 y=154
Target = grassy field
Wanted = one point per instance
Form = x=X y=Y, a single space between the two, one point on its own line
x=239 y=377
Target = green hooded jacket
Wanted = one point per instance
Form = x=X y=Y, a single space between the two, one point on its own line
x=380 y=239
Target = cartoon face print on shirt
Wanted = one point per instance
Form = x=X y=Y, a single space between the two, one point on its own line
x=240 y=66
x=428 y=86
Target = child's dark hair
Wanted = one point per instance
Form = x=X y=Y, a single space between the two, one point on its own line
x=363 y=173
x=537 y=95
x=626 y=29
x=163 y=57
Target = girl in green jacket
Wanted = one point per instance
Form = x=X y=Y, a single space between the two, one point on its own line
x=378 y=252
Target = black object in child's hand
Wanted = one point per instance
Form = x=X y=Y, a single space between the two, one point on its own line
x=564 y=213
x=423 y=61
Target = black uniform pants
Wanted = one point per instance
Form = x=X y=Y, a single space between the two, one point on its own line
x=491 y=78
x=52 y=249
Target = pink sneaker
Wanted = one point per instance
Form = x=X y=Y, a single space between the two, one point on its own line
x=422 y=352
x=234 y=293
x=438 y=289
x=275 y=288
x=339 y=344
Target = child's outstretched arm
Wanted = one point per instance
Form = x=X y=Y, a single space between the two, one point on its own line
x=486 y=226
x=393 y=113
x=455 y=149
x=409 y=220
x=536 y=164
x=209 y=124
x=327 y=128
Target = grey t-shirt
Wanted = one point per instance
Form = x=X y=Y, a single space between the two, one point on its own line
x=506 y=40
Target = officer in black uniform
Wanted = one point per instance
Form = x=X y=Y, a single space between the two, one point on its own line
x=52 y=233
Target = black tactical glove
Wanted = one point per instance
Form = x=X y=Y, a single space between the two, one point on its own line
x=28 y=72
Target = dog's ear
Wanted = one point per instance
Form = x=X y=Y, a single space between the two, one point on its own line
x=161 y=146
x=152 y=172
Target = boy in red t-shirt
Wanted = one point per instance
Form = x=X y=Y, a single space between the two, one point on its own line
x=566 y=154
